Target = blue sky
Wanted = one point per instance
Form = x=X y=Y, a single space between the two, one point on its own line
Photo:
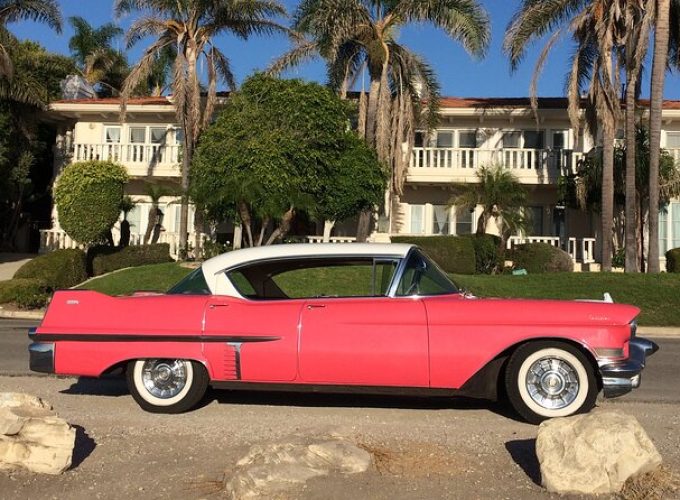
x=458 y=73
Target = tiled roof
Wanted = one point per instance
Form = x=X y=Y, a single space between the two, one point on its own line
x=141 y=101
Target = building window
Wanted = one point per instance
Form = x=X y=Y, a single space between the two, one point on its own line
x=467 y=139
x=663 y=230
x=675 y=225
x=512 y=140
x=417 y=219
x=440 y=219
x=559 y=139
x=673 y=140
x=535 y=222
x=134 y=217
x=179 y=135
x=112 y=135
x=158 y=135
x=534 y=139
x=137 y=135
x=464 y=219
x=444 y=139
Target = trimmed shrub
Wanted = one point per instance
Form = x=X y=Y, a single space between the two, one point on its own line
x=15 y=289
x=454 y=255
x=58 y=269
x=673 y=260
x=487 y=257
x=105 y=259
x=88 y=196
x=542 y=258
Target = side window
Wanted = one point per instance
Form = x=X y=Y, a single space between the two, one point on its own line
x=297 y=279
x=422 y=277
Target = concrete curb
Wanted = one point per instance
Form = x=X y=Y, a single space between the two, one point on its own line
x=5 y=314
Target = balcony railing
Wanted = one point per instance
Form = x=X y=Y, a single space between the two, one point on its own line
x=580 y=250
x=532 y=166
x=140 y=159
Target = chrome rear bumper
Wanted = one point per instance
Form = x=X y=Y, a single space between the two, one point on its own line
x=40 y=355
x=621 y=377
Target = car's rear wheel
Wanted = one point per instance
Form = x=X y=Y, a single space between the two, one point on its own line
x=166 y=385
x=550 y=379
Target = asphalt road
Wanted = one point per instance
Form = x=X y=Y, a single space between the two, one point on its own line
x=659 y=384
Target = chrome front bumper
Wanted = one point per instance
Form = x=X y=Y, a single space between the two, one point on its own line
x=40 y=355
x=621 y=377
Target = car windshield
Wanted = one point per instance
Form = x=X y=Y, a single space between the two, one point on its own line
x=193 y=284
x=421 y=276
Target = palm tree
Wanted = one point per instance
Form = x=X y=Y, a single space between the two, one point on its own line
x=92 y=50
x=191 y=26
x=357 y=36
x=502 y=198
x=44 y=11
x=659 y=66
x=598 y=28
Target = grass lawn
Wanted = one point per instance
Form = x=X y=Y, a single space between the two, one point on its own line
x=158 y=277
x=657 y=295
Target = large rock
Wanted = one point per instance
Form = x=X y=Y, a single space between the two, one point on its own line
x=32 y=436
x=594 y=453
x=269 y=470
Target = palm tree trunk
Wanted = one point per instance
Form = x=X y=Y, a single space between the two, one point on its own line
x=631 y=265
x=607 y=195
x=656 y=104
x=372 y=111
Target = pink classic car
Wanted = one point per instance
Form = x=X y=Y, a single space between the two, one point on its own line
x=353 y=317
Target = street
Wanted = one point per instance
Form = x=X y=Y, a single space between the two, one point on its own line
x=422 y=447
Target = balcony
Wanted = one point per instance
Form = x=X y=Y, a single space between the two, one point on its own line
x=460 y=165
x=141 y=160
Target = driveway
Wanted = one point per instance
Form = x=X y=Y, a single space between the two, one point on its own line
x=11 y=262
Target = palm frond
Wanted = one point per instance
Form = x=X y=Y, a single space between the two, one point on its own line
x=294 y=57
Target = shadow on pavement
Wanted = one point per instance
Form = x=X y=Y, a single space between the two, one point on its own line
x=85 y=445
x=523 y=452
x=107 y=386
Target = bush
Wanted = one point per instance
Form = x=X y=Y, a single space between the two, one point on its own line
x=454 y=254
x=487 y=257
x=542 y=258
x=88 y=196
x=58 y=269
x=102 y=259
x=15 y=290
x=673 y=260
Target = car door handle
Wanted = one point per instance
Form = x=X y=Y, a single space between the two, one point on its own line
x=213 y=306
x=316 y=306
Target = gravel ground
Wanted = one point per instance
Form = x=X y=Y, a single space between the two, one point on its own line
x=423 y=448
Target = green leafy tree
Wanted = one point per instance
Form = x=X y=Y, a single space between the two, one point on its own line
x=502 y=198
x=44 y=11
x=92 y=49
x=191 y=27
x=278 y=147
x=88 y=196
x=354 y=36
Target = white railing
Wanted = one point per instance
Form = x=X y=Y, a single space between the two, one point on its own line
x=540 y=166
x=56 y=239
x=333 y=239
x=148 y=157
x=580 y=250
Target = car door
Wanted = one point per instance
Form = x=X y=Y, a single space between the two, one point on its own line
x=370 y=341
x=258 y=340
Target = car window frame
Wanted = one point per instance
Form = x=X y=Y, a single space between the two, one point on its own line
x=399 y=272
x=375 y=258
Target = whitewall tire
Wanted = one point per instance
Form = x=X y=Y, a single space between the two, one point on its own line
x=548 y=379
x=166 y=385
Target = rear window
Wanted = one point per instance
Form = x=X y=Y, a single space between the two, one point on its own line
x=193 y=284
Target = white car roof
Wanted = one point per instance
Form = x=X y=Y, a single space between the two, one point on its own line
x=219 y=284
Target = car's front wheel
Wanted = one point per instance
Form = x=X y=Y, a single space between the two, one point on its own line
x=550 y=379
x=166 y=385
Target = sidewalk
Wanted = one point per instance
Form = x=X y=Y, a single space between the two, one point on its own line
x=11 y=262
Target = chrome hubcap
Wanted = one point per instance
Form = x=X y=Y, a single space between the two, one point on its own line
x=164 y=378
x=552 y=383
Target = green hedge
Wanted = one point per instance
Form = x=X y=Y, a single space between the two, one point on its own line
x=673 y=260
x=487 y=256
x=541 y=258
x=453 y=254
x=26 y=293
x=58 y=269
x=103 y=259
